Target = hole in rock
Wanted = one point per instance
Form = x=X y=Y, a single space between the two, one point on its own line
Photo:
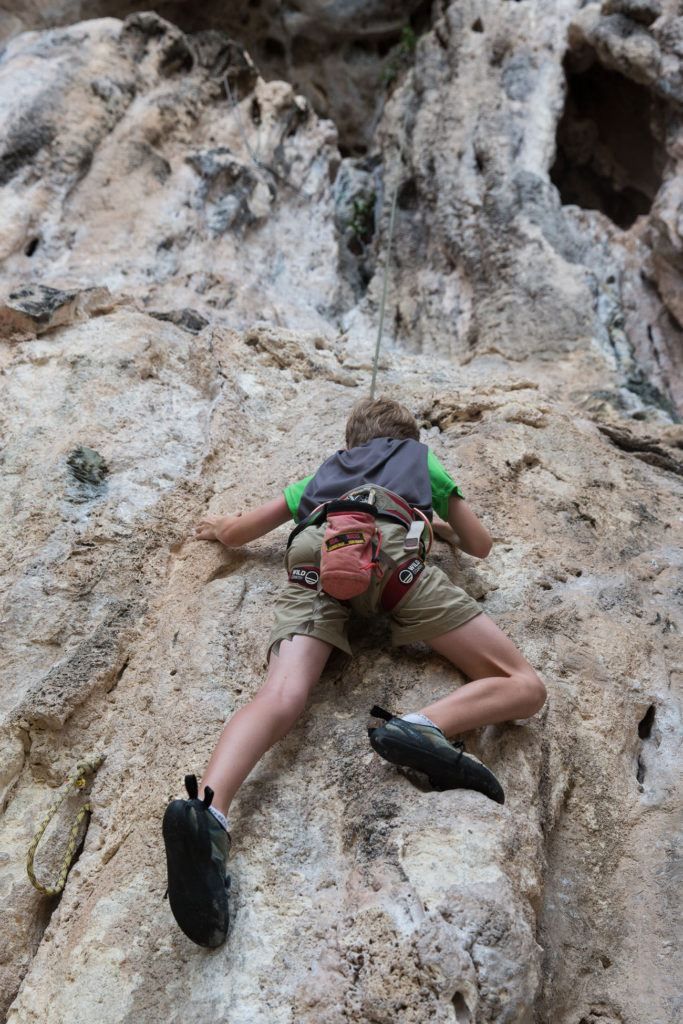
x=478 y=25
x=421 y=18
x=304 y=50
x=640 y=771
x=407 y=198
x=384 y=46
x=32 y=246
x=462 y=1010
x=609 y=154
x=273 y=48
x=357 y=150
x=646 y=723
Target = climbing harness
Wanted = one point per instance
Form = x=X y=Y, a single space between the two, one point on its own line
x=355 y=552
x=78 y=781
x=387 y=261
x=389 y=506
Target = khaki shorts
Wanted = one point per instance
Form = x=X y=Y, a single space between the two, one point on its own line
x=432 y=606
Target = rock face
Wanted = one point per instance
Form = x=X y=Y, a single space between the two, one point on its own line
x=340 y=54
x=190 y=278
x=129 y=147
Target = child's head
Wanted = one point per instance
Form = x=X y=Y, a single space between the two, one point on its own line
x=379 y=417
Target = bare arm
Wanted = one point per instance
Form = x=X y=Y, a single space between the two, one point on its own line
x=233 y=531
x=464 y=529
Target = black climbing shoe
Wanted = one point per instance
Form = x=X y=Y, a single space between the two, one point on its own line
x=197 y=848
x=425 y=749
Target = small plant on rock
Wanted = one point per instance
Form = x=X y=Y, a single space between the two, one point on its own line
x=401 y=57
x=362 y=223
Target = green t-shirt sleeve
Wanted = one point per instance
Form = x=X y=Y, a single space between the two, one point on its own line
x=443 y=485
x=293 y=495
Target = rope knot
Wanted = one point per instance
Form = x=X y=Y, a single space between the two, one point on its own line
x=78 y=781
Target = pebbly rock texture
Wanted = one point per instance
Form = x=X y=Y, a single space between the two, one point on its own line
x=189 y=290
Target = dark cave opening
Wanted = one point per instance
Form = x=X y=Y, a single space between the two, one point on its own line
x=344 y=65
x=610 y=156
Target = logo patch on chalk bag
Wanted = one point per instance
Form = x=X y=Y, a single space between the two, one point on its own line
x=342 y=540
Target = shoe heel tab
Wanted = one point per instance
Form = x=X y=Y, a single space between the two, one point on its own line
x=191 y=786
x=377 y=712
x=208 y=796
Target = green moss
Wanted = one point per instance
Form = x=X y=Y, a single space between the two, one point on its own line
x=401 y=57
x=362 y=224
x=408 y=40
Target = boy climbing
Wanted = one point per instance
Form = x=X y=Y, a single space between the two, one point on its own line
x=359 y=545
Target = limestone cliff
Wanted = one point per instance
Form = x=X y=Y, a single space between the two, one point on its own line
x=191 y=261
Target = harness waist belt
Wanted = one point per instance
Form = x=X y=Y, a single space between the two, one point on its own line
x=396 y=510
x=400 y=582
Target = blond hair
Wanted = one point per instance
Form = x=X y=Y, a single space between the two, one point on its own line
x=379 y=417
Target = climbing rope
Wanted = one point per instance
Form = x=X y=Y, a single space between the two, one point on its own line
x=262 y=166
x=384 y=292
x=78 y=781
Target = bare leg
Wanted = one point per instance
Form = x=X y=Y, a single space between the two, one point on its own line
x=504 y=685
x=292 y=674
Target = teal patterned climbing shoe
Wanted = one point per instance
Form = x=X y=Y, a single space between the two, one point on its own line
x=424 y=748
x=197 y=848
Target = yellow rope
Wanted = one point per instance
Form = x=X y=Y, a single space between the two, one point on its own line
x=78 y=780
